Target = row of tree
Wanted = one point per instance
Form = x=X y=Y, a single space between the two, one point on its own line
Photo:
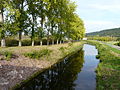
x=50 y=19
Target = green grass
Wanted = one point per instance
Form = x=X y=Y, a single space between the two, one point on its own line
x=6 y=55
x=108 y=71
x=112 y=42
x=114 y=49
x=55 y=55
x=38 y=54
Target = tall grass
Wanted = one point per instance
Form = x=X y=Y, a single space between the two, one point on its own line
x=6 y=55
x=38 y=54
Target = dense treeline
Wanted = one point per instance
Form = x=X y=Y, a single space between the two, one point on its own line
x=53 y=20
x=115 y=32
x=107 y=38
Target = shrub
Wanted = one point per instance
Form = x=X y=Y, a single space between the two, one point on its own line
x=26 y=42
x=118 y=44
x=6 y=55
x=70 y=44
x=11 y=42
x=105 y=38
x=38 y=54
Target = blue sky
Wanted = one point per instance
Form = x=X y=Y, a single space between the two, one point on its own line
x=99 y=14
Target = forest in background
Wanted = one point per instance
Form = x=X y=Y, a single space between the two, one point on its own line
x=115 y=32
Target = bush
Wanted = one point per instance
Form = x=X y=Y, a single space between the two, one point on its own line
x=38 y=54
x=6 y=55
x=26 y=42
x=102 y=38
x=118 y=44
x=70 y=44
x=11 y=42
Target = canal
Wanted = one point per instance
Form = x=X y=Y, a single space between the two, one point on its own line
x=76 y=72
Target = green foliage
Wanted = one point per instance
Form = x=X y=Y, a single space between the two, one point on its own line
x=11 y=42
x=118 y=39
x=118 y=44
x=102 y=38
x=7 y=55
x=70 y=44
x=51 y=19
x=26 y=42
x=38 y=54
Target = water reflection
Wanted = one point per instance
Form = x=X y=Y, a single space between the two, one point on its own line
x=86 y=79
x=74 y=73
x=60 y=77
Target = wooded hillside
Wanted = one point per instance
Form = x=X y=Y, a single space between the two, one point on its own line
x=115 y=32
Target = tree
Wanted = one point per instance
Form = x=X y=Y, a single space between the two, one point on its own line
x=21 y=6
x=51 y=19
x=41 y=14
x=8 y=26
x=2 y=31
x=77 y=28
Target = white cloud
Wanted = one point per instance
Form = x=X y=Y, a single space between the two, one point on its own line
x=99 y=14
x=109 y=7
x=99 y=25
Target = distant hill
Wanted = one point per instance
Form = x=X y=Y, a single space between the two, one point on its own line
x=115 y=32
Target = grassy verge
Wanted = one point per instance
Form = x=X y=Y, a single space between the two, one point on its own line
x=53 y=52
x=108 y=71
x=112 y=42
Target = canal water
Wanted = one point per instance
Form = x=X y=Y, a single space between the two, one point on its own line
x=74 y=73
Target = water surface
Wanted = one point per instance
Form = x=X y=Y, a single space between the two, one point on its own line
x=74 y=73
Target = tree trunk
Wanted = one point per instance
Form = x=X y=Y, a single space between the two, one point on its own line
x=33 y=30
x=47 y=42
x=60 y=41
x=33 y=42
x=63 y=41
x=57 y=41
x=52 y=42
x=41 y=42
x=20 y=37
x=3 y=44
x=1 y=16
x=48 y=37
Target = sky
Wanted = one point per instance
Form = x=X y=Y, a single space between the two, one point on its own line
x=99 y=14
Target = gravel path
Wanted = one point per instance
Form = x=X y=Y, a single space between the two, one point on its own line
x=113 y=46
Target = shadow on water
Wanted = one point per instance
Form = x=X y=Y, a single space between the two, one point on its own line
x=72 y=73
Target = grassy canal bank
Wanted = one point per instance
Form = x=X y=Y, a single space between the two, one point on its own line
x=108 y=71
x=19 y=64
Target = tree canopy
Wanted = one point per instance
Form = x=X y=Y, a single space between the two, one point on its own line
x=50 y=19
